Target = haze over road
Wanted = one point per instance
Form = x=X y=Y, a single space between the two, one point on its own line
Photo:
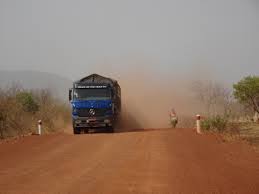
x=150 y=161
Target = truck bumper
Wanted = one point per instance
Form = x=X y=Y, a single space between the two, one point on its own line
x=93 y=122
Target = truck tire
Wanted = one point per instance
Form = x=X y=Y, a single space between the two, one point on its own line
x=76 y=131
x=110 y=130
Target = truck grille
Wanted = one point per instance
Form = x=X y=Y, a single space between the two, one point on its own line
x=86 y=112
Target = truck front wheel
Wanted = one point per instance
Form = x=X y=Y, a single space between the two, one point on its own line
x=110 y=130
x=76 y=130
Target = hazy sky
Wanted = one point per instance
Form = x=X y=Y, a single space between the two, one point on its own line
x=169 y=37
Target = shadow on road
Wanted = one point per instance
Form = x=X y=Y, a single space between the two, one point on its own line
x=117 y=130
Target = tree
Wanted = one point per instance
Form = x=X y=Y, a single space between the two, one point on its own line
x=246 y=91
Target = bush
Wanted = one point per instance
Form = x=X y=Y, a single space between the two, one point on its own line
x=53 y=112
x=27 y=101
x=215 y=123
x=13 y=116
x=219 y=123
x=21 y=109
x=206 y=124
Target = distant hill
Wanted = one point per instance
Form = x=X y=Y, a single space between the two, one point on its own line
x=37 y=80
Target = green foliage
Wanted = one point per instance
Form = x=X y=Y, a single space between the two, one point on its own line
x=27 y=101
x=206 y=124
x=219 y=123
x=216 y=123
x=246 y=91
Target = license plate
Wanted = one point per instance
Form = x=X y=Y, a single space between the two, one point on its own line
x=91 y=120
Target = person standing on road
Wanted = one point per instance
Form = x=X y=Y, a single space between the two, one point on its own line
x=173 y=118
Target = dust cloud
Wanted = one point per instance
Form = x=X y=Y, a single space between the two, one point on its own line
x=147 y=98
x=146 y=103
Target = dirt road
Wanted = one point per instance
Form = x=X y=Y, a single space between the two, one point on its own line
x=152 y=161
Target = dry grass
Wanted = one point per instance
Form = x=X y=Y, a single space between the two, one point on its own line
x=243 y=131
x=250 y=132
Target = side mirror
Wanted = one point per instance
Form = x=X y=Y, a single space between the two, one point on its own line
x=70 y=94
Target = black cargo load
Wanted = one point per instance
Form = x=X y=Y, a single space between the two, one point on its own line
x=97 y=79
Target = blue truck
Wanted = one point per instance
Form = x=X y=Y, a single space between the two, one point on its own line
x=96 y=103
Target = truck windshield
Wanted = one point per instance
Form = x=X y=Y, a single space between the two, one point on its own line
x=92 y=94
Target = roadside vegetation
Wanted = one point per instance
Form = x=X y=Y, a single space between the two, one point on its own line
x=20 y=109
x=231 y=112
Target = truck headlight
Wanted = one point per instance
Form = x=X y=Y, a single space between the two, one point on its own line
x=107 y=121
x=78 y=121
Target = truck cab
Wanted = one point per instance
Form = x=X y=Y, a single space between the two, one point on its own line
x=96 y=103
